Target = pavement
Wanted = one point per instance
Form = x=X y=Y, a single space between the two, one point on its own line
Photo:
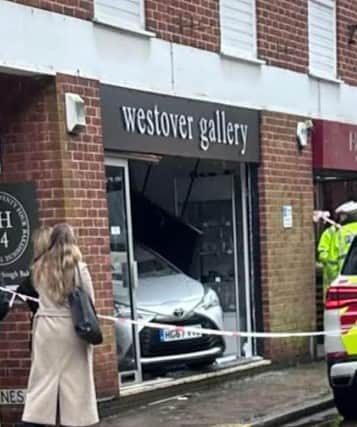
x=270 y=398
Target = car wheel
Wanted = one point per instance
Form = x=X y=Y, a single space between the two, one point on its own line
x=345 y=401
x=201 y=364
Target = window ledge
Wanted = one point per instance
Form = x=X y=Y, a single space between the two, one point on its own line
x=112 y=23
x=241 y=57
x=326 y=77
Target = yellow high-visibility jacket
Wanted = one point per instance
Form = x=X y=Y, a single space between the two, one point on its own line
x=340 y=244
x=327 y=257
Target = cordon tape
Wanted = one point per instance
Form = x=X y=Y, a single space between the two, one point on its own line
x=203 y=331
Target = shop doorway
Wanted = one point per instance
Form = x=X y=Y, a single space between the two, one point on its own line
x=124 y=272
x=180 y=255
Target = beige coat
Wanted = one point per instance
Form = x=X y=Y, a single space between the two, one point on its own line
x=62 y=367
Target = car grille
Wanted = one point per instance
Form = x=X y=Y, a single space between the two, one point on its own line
x=151 y=345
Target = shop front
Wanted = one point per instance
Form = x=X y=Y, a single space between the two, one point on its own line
x=183 y=216
x=335 y=175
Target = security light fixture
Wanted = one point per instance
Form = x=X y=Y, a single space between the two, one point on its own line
x=303 y=130
x=75 y=113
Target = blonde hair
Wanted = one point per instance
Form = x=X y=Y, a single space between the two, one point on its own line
x=55 y=269
x=40 y=241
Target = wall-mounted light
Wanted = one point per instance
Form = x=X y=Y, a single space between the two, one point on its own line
x=303 y=130
x=75 y=113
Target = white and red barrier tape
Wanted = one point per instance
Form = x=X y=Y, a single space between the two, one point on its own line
x=204 y=331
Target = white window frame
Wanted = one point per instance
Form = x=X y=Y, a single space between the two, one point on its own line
x=120 y=24
x=235 y=52
x=316 y=72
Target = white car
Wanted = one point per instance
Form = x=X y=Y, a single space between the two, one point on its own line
x=341 y=347
x=166 y=295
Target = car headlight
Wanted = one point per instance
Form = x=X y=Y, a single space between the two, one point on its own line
x=210 y=299
x=123 y=310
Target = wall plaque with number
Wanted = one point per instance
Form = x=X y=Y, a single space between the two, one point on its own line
x=18 y=219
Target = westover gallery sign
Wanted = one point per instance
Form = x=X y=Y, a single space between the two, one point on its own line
x=138 y=121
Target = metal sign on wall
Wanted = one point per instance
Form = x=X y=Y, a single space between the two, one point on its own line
x=18 y=218
x=138 y=121
x=12 y=396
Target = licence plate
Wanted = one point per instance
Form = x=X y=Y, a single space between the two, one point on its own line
x=167 y=335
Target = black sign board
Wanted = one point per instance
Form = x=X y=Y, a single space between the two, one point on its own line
x=18 y=218
x=138 y=121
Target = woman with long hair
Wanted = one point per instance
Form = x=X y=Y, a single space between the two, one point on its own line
x=40 y=243
x=61 y=384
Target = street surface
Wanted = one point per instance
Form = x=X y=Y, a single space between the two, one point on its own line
x=233 y=403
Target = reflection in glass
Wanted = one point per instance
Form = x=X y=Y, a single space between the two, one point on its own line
x=119 y=246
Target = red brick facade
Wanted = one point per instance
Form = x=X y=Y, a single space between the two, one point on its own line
x=283 y=33
x=82 y=9
x=282 y=28
x=70 y=181
x=346 y=52
x=85 y=205
x=287 y=255
x=193 y=23
x=70 y=177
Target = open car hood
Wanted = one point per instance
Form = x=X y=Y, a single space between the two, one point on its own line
x=165 y=294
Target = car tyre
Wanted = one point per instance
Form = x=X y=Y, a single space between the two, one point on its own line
x=345 y=401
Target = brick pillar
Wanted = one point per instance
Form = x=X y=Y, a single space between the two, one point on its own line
x=85 y=205
x=70 y=184
x=288 y=255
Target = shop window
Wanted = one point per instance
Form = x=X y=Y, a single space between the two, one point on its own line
x=126 y=14
x=322 y=38
x=238 y=28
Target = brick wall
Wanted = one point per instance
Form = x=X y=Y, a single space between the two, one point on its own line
x=30 y=152
x=287 y=255
x=283 y=33
x=282 y=30
x=346 y=53
x=82 y=9
x=69 y=175
x=193 y=23
x=85 y=207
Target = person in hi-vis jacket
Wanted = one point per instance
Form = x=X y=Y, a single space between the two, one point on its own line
x=340 y=240
x=329 y=266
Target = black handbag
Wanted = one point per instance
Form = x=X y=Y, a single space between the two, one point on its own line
x=84 y=316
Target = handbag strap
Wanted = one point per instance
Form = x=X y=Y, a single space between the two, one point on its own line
x=80 y=282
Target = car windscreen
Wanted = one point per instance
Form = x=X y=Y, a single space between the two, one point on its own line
x=350 y=266
x=151 y=265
